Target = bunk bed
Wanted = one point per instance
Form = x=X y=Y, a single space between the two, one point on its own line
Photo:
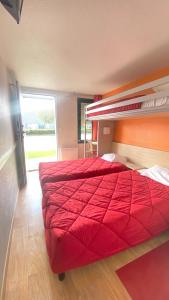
x=125 y=105
x=91 y=218
x=147 y=99
x=140 y=105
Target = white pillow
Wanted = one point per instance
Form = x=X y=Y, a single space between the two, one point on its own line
x=113 y=157
x=157 y=173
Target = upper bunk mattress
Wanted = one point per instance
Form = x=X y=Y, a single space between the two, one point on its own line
x=160 y=103
x=89 y=219
x=163 y=101
x=74 y=169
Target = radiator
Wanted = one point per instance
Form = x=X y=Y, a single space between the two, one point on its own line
x=67 y=153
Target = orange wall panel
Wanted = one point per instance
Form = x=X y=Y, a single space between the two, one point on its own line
x=149 y=132
x=155 y=75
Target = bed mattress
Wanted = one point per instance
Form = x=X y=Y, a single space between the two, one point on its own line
x=74 y=169
x=90 y=219
x=163 y=101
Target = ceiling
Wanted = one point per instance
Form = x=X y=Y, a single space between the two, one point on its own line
x=85 y=46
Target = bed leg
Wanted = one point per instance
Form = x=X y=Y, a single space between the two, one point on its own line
x=61 y=276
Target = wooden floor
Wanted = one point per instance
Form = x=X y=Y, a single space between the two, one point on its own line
x=29 y=275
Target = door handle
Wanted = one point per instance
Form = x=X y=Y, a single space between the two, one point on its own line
x=20 y=132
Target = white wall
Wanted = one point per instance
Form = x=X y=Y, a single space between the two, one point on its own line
x=8 y=174
x=67 y=126
x=66 y=120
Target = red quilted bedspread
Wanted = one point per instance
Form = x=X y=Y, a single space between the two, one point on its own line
x=89 y=219
x=74 y=169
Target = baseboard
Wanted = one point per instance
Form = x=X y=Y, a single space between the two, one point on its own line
x=2 y=292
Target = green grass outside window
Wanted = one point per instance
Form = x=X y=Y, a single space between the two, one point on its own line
x=39 y=154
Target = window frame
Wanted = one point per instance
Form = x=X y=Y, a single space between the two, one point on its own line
x=79 y=102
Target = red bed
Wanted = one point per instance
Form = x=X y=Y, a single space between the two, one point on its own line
x=89 y=219
x=74 y=169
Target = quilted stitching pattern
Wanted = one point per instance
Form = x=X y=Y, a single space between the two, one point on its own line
x=88 y=219
x=74 y=169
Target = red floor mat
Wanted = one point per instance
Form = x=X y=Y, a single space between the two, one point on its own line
x=147 y=278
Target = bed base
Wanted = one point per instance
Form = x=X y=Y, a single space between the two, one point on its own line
x=61 y=276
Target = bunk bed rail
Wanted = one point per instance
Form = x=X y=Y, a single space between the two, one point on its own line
x=141 y=88
x=147 y=99
x=152 y=103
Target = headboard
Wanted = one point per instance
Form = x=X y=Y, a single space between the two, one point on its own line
x=143 y=157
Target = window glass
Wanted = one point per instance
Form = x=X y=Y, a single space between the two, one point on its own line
x=82 y=103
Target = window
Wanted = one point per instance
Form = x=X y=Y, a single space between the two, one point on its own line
x=82 y=103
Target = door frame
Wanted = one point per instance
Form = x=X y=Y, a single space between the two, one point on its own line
x=14 y=96
x=43 y=94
